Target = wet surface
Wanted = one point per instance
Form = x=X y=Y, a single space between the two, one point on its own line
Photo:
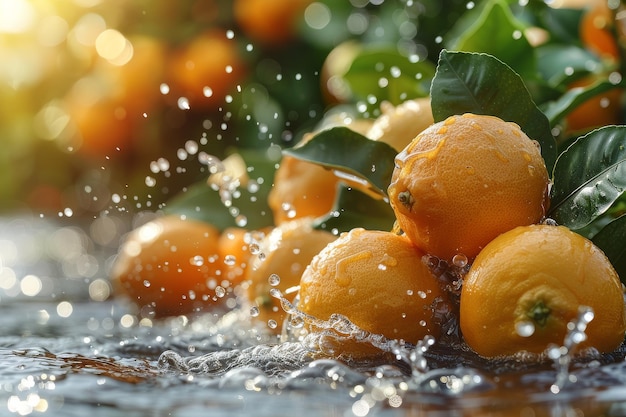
x=67 y=350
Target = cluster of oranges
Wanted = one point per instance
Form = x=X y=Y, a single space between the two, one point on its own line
x=599 y=34
x=471 y=191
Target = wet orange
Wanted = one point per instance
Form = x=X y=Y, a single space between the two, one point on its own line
x=526 y=286
x=305 y=189
x=398 y=125
x=170 y=266
x=379 y=282
x=270 y=22
x=465 y=180
x=284 y=254
x=205 y=70
x=236 y=246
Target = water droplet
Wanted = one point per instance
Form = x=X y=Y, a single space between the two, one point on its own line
x=525 y=328
x=255 y=249
x=296 y=322
x=254 y=311
x=272 y=324
x=273 y=280
x=191 y=146
x=207 y=91
x=150 y=181
x=146 y=283
x=459 y=260
x=197 y=260
x=164 y=89
x=230 y=260
x=241 y=220
x=183 y=103
x=275 y=292
x=220 y=291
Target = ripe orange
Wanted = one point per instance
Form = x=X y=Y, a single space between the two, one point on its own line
x=101 y=127
x=398 y=125
x=284 y=253
x=205 y=70
x=596 y=30
x=171 y=266
x=270 y=22
x=334 y=87
x=526 y=286
x=602 y=110
x=136 y=84
x=463 y=181
x=379 y=282
x=304 y=189
x=236 y=247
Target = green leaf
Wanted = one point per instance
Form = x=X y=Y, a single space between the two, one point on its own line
x=497 y=32
x=611 y=240
x=482 y=84
x=388 y=75
x=563 y=24
x=202 y=202
x=561 y=63
x=363 y=160
x=589 y=176
x=557 y=110
x=248 y=205
x=356 y=209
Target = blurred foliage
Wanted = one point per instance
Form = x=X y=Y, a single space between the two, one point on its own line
x=49 y=57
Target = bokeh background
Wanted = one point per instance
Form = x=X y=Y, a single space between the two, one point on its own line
x=115 y=106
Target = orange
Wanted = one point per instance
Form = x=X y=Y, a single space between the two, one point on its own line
x=171 y=266
x=205 y=70
x=378 y=281
x=602 y=110
x=136 y=84
x=334 y=87
x=305 y=189
x=596 y=30
x=465 y=180
x=398 y=125
x=284 y=253
x=236 y=247
x=270 y=22
x=101 y=127
x=526 y=286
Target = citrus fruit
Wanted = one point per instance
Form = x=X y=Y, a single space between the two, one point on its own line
x=101 y=126
x=335 y=88
x=305 y=189
x=205 y=69
x=596 y=30
x=378 y=281
x=527 y=284
x=269 y=22
x=136 y=83
x=398 y=125
x=171 y=266
x=236 y=247
x=283 y=255
x=463 y=181
x=602 y=110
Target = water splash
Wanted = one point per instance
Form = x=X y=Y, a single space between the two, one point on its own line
x=562 y=355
